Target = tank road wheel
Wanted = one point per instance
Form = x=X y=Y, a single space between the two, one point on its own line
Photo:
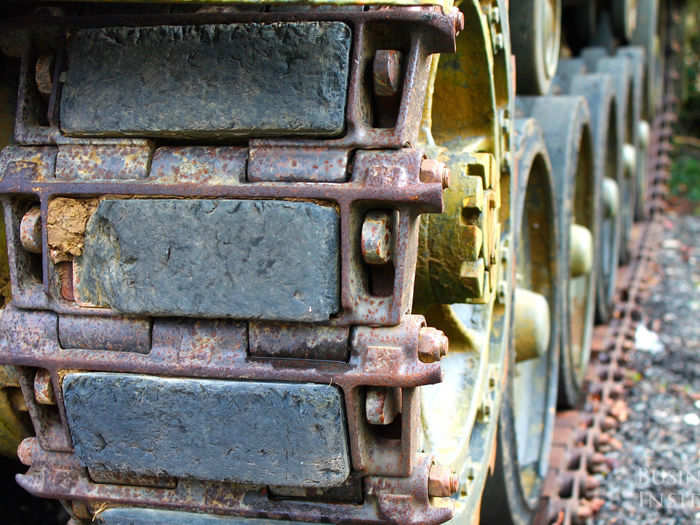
x=636 y=57
x=599 y=91
x=624 y=18
x=527 y=416
x=464 y=273
x=565 y=123
x=621 y=70
x=646 y=36
x=535 y=37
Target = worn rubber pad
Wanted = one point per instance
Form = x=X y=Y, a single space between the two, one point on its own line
x=245 y=259
x=244 y=432
x=207 y=81
x=136 y=516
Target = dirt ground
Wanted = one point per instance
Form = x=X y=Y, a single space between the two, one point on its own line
x=657 y=475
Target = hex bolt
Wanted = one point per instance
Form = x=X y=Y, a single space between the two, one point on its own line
x=432 y=345
x=433 y=171
x=473 y=276
x=386 y=70
x=382 y=405
x=30 y=230
x=474 y=196
x=376 y=238
x=43 y=74
x=25 y=451
x=43 y=389
x=442 y=482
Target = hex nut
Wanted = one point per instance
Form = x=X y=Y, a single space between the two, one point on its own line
x=433 y=171
x=442 y=482
x=473 y=276
x=432 y=345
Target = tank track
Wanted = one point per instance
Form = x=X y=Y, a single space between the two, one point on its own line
x=582 y=437
x=364 y=202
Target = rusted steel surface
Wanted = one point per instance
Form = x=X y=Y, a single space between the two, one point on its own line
x=127 y=161
x=104 y=333
x=389 y=500
x=298 y=341
x=293 y=164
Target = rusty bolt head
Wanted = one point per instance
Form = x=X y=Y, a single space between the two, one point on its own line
x=386 y=70
x=433 y=171
x=432 y=345
x=376 y=238
x=43 y=389
x=30 y=230
x=442 y=482
x=25 y=451
x=382 y=405
x=43 y=74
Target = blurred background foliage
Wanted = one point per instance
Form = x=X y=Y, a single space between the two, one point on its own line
x=685 y=179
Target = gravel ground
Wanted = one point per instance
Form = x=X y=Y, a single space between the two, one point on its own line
x=657 y=475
